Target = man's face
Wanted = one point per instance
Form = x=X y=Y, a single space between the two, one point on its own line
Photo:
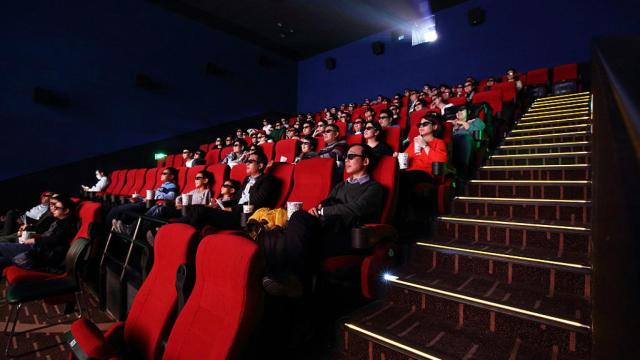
x=468 y=87
x=306 y=129
x=253 y=168
x=330 y=135
x=418 y=106
x=186 y=154
x=354 y=162
x=58 y=210
x=228 y=141
x=357 y=125
x=384 y=120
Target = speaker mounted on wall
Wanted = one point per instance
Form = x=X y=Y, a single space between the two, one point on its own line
x=377 y=47
x=476 y=16
x=48 y=97
x=330 y=63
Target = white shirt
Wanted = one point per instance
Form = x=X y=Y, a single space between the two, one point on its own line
x=36 y=212
x=100 y=185
x=244 y=199
x=189 y=163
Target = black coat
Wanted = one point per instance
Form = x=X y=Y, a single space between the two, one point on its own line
x=264 y=192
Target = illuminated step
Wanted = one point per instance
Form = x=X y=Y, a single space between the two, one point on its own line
x=505 y=254
x=564 y=96
x=519 y=312
x=523 y=201
x=515 y=224
x=533 y=182
x=541 y=145
x=391 y=342
x=558 y=102
x=528 y=123
x=572 y=133
x=526 y=117
x=583 y=104
x=559 y=112
x=577 y=126
x=541 y=155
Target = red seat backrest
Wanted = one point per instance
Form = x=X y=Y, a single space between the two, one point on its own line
x=89 y=212
x=447 y=132
x=213 y=156
x=191 y=175
x=160 y=162
x=392 y=137
x=386 y=174
x=353 y=139
x=248 y=140
x=521 y=77
x=150 y=180
x=154 y=306
x=168 y=162
x=268 y=150
x=403 y=117
x=128 y=183
x=225 y=302
x=114 y=180
x=181 y=181
x=287 y=148
x=220 y=174
x=238 y=172
x=342 y=128
x=458 y=100
x=508 y=90
x=491 y=97
x=205 y=147
x=321 y=143
x=566 y=72
x=312 y=181
x=225 y=151
x=138 y=182
x=414 y=119
x=178 y=161
x=377 y=107
x=538 y=76
x=283 y=172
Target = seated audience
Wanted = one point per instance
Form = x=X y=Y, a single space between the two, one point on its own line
x=228 y=141
x=292 y=133
x=199 y=158
x=308 y=146
x=489 y=84
x=463 y=139
x=469 y=90
x=102 y=183
x=512 y=76
x=200 y=195
x=187 y=156
x=307 y=129
x=373 y=136
x=356 y=126
x=278 y=132
x=14 y=218
x=325 y=230
x=238 y=154
x=217 y=144
x=28 y=223
x=319 y=130
x=386 y=118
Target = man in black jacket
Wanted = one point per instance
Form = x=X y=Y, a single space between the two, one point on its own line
x=325 y=230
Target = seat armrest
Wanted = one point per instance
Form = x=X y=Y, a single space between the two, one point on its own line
x=369 y=235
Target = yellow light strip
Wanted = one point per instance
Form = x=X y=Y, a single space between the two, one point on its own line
x=523 y=200
x=558 y=101
x=544 y=144
x=507 y=256
x=552 y=121
x=554 y=115
x=567 y=182
x=552 y=103
x=582 y=104
x=498 y=222
x=552 y=128
x=585 y=108
x=392 y=342
x=545 y=135
x=493 y=304
x=525 y=167
x=552 y=154
x=552 y=97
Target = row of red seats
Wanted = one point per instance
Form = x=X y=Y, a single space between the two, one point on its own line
x=561 y=73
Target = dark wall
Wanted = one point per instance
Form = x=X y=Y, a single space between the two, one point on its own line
x=90 y=52
x=525 y=35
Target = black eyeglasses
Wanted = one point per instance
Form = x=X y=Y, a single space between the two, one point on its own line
x=305 y=143
x=57 y=207
x=306 y=127
x=227 y=185
x=353 y=156
x=166 y=173
x=250 y=161
x=384 y=117
x=328 y=131
x=199 y=177
x=186 y=152
x=357 y=122
x=424 y=123
x=237 y=144
x=369 y=128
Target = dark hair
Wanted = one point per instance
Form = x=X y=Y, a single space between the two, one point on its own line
x=261 y=158
x=334 y=127
x=207 y=175
x=173 y=171
x=433 y=117
x=312 y=141
x=387 y=112
x=242 y=142
x=66 y=202
x=367 y=152
x=235 y=184
x=378 y=128
x=256 y=149
x=201 y=153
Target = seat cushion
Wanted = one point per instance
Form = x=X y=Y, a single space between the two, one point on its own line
x=15 y=274
x=91 y=340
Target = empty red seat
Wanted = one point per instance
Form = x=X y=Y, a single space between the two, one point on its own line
x=353 y=139
x=491 y=97
x=220 y=174
x=205 y=147
x=392 y=136
x=150 y=180
x=538 y=77
x=403 y=117
x=457 y=101
x=284 y=173
x=169 y=160
x=178 y=161
x=321 y=143
x=268 y=150
x=128 y=182
x=377 y=107
x=114 y=180
x=566 y=72
x=139 y=179
x=213 y=156
x=181 y=181
x=342 y=128
x=153 y=308
x=312 y=181
x=238 y=172
x=225 y=304
x=225 y=151
x=286 y=150
x=508 y=89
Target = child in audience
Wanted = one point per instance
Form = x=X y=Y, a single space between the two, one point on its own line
x=187 y=156
x=199 y=158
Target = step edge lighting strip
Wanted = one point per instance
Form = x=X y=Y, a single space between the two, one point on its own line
x=578 y=101
x=585 y=108
x=507 y=167
x=578 y=104
x=552 y=121
x=493 y=304
x=582 y=93
x=554 y=115
x=481 y=198
x=551 y=262
x=551 y=128
x=565 y=143
x=546 y=135
x=392 y=342
x=499 y=222
x=559 y=182
x=551 y=154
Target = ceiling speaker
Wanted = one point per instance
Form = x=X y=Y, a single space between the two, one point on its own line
x=330 y=63
x=476 y=16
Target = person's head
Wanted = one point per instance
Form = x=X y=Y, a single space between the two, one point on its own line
x=395 y=109
x=436 y=100
x=218 y=142
x=291 y=132
x=278 y=126
x=308 y=144
x=491 y=81
x=187 y=154
x=239 y=133
x=372 y=130
x=511 y=74
x=169 y=174
x=446 y=93
x=331 y=133
x=385 y=118
x=358 y=160
x=428 y=124
x=358 y=124
x=343 y=116
x=265 y=122
x=61 y=206
x=307 y=128
x=254 y=138
x=99 y=173
x=468 y=87
x=228 y=141
x=45 y=197
x=253 y=148
x=204 y=179
x=199 y=154
x=459 y=89
x=419 y=104
x=462 y=113
x=262 y=138
x=230 y=187
x=256 y=163
x=369 y=114
x=239 y=145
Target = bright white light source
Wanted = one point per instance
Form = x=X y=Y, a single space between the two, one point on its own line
x=389 y=277
x=424 y=31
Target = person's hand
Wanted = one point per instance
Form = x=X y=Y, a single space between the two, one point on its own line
x=395 y=154
x=465 y=125
x=315 y=211
x=420 y=141
x=31 y=241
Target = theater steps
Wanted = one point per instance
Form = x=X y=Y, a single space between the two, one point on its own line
x=507 y=274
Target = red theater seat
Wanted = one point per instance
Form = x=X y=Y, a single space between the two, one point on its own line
x=225 y=304
x=538 y=77
x=342 y=128
x=178 y=161
x=353 y=139
x=238 y=172
x=153 y=308
x=268 y=150
x=181 y=181
x=213 y=156
x=492 y=97
x=508 y=89
x=168 y=162
x=191 y=175
x=286 y=150
x=392 y=137
x=225 y=151
x=312 y=181
x=220 y=174
x=150 y=180
x=457 y=101
x=128 y=182
x=283 y=172
x=567 y=72
x=205 y=147
x=114 y=180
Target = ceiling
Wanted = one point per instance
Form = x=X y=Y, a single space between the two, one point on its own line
x=299 y=29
